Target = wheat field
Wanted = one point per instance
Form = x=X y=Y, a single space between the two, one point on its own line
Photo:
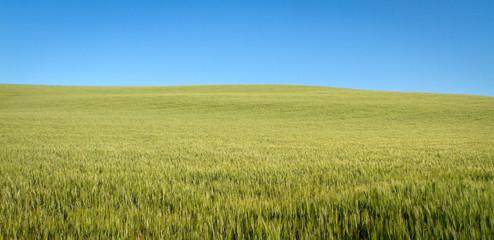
x=244 y=162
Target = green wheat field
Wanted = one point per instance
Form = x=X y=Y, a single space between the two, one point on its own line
x=244 y=162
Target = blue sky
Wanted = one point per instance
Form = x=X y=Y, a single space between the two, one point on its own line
x=426 y=46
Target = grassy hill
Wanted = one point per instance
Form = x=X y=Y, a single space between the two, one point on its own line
x=244 y=162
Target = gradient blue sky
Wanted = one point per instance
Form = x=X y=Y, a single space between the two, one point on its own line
x=427 y=46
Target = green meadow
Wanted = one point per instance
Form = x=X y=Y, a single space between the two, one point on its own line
x=244 y=162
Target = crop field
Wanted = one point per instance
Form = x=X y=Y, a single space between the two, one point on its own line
x=244 y=162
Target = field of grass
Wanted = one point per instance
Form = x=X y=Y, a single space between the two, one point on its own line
x=244 y=162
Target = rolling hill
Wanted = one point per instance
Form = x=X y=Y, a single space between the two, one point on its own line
x=244 y=162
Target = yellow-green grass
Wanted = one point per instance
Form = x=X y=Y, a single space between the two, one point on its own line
x=244 y=162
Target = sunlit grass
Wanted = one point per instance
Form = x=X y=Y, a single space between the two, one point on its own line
x=244 y=162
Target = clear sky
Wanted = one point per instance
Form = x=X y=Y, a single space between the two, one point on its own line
x=427 y=46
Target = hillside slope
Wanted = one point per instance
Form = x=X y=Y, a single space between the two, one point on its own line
x=244 y=161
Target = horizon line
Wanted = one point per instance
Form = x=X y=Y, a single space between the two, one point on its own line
x=217 y=84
